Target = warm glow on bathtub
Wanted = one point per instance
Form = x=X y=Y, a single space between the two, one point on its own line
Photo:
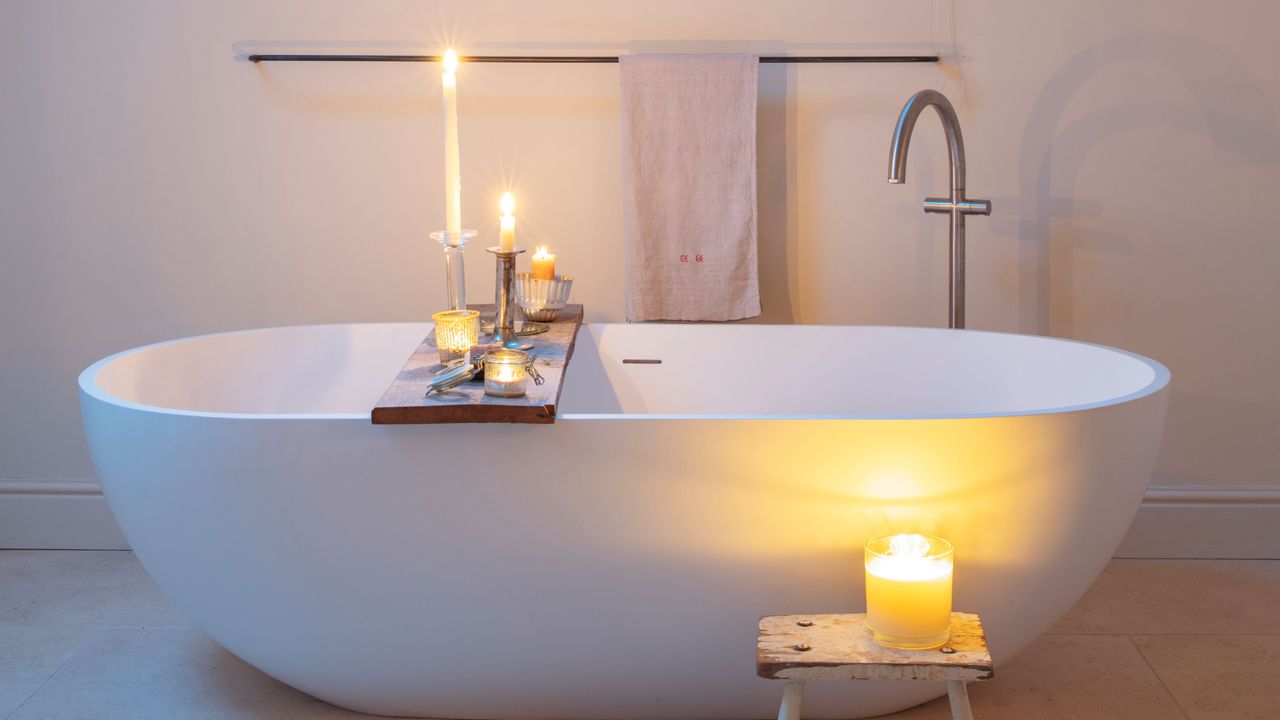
x=909 y=590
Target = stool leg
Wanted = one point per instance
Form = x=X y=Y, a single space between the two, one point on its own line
x=791 y=697
x=959 y=696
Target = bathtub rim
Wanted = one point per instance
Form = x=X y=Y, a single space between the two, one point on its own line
x=87 y=382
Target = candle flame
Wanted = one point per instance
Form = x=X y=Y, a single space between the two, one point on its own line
x=507 y=204
x=908 y=546
x=507 y=373
x=908 y=560
x=450 y=61
x=542 y=253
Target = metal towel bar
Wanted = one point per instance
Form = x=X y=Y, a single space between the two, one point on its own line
x=263 y=57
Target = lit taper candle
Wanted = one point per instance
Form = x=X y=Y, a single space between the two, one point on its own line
x=507 y=223
x=452 y=155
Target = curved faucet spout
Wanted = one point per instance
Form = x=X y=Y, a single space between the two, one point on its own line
x=956 y=206
x=907 y=125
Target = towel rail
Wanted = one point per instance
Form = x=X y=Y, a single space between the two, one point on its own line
x=263 y=57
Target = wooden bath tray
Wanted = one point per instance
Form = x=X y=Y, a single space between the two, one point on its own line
x=404 y=403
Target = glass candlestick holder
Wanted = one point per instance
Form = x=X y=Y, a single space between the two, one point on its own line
x=454 y=271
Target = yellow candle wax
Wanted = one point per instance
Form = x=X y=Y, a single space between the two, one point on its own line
x=909 y=591
x=544 y=265
x=507 y=223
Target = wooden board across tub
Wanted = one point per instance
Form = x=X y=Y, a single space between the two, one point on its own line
x=405 y=402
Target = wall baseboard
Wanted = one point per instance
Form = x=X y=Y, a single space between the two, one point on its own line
x=57 y=515
x=1173 y=522
x=1206 y=522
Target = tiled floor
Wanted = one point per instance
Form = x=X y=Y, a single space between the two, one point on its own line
x=86 y=635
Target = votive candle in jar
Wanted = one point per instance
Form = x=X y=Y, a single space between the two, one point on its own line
x=909 y=591
x=505 y=373
x=456 y=332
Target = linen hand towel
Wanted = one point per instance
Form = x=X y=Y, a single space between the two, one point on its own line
x=689 y=186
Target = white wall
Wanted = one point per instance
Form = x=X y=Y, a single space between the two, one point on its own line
x=155 y=185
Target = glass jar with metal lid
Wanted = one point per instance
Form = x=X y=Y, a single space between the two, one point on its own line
x=506 y=373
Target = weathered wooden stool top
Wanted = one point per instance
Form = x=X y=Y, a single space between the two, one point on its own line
x=839 y=647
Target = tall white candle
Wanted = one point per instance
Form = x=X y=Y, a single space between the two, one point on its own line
x=452 y=156
x=507 y=223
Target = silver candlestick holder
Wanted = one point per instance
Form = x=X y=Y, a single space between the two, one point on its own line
x=504 y=299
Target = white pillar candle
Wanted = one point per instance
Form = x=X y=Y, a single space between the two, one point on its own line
x=909 y=591
x=452 y=154
x=507 y=223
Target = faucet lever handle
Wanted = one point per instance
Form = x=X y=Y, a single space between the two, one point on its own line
x=964 y=205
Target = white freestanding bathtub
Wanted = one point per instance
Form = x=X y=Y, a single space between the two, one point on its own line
x=614 y=564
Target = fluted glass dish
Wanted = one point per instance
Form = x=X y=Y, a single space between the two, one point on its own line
x=542 y=300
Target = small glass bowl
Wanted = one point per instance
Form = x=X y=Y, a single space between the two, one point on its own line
x=542 y=300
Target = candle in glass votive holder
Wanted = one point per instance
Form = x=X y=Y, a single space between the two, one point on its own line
x=456 y=332
x=505 y=373
x=909 y=591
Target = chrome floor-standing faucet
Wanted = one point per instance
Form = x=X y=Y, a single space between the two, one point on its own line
x=957 y=206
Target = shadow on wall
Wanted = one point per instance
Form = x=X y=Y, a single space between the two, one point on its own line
x=777 y=219
x=1229 y=114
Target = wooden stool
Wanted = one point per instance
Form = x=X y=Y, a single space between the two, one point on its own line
x=797 y=648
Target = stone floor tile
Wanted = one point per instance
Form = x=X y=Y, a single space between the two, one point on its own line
x=169 y=674
x=1210 y=597
x=1218 y=677
x=71 y=587
x=1066 y=677
x=29 y=655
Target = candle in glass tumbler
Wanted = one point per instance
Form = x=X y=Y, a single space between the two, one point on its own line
x=452 y=155
x=507 y=223
x=909 y=591
x=544 y=265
